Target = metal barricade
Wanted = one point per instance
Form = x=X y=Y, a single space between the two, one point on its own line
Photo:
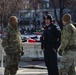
x=2 y=57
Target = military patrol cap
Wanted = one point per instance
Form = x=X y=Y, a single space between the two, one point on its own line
x=12 y=18
x=48 y=16
x=66 y=18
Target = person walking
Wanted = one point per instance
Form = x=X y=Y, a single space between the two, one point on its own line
x=50 y=36
x=12 y=44
x=68 y=46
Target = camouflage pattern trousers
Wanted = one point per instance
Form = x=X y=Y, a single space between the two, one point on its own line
x=68 y=62
x=12 y=61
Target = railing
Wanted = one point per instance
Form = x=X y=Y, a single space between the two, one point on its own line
x=2 y=55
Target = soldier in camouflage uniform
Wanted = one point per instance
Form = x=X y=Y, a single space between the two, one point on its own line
x=68 y=46
x=12 y=44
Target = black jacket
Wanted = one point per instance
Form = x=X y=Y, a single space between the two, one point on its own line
x=51 y=37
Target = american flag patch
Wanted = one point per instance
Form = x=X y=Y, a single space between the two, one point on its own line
x=4 y=35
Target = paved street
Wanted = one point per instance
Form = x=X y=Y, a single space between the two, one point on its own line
x=32 y=72
x=27 y=71
x=31 y=68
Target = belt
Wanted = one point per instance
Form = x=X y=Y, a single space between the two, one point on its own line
x=71 y=47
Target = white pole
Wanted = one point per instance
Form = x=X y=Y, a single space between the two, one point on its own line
x=2 y=62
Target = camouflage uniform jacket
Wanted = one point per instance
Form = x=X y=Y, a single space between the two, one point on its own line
x=11 y=40
x=68 y=36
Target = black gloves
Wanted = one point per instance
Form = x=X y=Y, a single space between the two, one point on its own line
x=22 y=53
x=60 y=52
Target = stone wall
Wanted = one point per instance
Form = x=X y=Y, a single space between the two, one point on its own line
x=32 y=50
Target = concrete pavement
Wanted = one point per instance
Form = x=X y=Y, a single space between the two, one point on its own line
x=32 y=72
x=31 y=68
x=28 y=71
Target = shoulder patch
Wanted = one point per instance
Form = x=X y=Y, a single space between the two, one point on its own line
x=4 y=35
x=58 y=28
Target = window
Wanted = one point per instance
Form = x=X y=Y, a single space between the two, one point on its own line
x=47 y=5
x=24 y=15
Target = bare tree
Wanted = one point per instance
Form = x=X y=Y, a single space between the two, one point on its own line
x=9 y=7
x=35 y=4
x=61 y=5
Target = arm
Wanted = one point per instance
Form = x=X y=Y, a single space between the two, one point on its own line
x=22 y=52
x=4 y=43
x=42 y=42
x=42 y=39
x=66 y=36
x=57 y=32
x=21 y=45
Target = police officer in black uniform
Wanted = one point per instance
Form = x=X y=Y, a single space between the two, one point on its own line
x=49 y=43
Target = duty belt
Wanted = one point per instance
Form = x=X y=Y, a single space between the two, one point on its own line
x=72 y=48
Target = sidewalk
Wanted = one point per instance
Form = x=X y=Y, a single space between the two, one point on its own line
x=31 y=68
x=27 y=71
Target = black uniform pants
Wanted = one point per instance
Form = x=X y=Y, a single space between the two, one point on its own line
x=50 y=57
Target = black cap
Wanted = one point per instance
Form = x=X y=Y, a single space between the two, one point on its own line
x=48 y=16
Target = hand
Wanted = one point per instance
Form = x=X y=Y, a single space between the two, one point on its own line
x=22 y=53
x=60 y=52
x=42 y=48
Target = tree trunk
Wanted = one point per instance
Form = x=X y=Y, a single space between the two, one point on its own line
x=61 y=13
x=1 y=24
